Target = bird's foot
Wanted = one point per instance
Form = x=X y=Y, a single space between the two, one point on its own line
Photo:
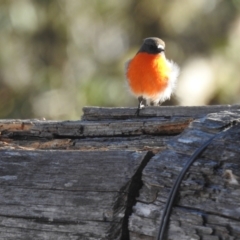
x=138 y=111
x=140 y=106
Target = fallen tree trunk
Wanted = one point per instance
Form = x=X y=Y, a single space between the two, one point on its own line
x=108 y=176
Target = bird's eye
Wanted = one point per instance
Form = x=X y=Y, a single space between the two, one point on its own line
x=155 y=49
x=152 y=47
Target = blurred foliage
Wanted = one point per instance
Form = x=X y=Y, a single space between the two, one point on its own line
x=57 y=56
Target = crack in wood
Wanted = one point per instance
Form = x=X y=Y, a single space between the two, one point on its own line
x=134 y=188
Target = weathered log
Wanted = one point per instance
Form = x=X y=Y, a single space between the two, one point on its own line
x=100 y=113
x=54 y=129
x=108 y=176
x=67 y=194
x=208 y=205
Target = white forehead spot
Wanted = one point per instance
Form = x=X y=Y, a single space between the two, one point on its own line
x=160 y=46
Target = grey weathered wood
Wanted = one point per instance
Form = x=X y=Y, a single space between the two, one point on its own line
x=84 y=182
x=51 y=129
x=134 y=143
x=101 y=113
x=65 y=194
x=208 y=205
x=138 y=143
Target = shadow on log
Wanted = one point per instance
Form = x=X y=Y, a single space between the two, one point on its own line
x=108 y=176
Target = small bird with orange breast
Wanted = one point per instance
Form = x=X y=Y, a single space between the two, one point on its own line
x=151 y=77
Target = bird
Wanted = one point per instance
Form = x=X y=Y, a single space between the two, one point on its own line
x=150 y=76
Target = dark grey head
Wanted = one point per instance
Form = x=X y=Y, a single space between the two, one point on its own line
x=152 y=45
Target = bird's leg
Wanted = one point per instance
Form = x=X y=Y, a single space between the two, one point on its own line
x=141 y=104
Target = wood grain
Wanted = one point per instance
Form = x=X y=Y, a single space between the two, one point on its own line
x=71 y=129
x=101 y=113
x=65 y=193
x=108 y=175
x=208 y=202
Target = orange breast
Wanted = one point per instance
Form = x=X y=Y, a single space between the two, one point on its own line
x=148 y=74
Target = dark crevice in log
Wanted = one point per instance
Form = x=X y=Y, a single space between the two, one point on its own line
x=44 y=220
x=56 y=136
x=134 y=188
x=205 y=213
x=18 y=136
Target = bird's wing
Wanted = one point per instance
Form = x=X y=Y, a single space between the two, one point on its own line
x=174 y=73
x=126 y=67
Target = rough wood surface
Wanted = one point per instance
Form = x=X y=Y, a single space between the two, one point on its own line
x=108 y=176
x=80 y=129
x=208 y=205
x=100 y=113
x=66 y=194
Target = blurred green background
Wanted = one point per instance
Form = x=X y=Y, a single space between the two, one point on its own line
x=57 y=56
